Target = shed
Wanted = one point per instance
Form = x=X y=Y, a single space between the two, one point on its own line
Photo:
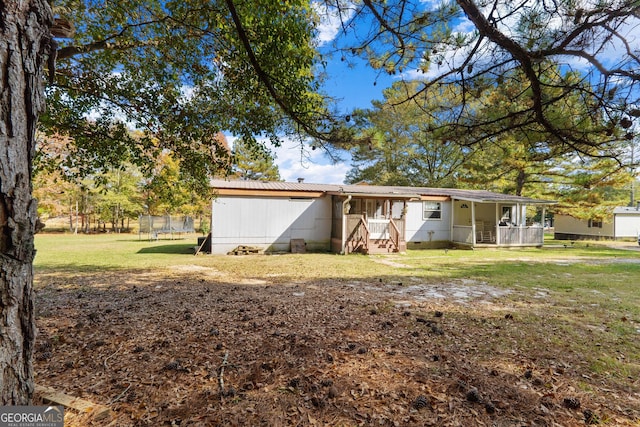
x=622 y=223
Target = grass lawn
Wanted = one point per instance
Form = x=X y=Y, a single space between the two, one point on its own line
x=550 y=324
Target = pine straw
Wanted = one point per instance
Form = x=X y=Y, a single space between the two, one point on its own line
x=308 y=354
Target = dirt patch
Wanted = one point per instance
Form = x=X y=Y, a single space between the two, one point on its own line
x=458 y=291
x=390 y=262
x=187 y=348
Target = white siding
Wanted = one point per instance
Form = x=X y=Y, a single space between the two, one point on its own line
x=432 y=230
x=627 y=225
x=270 y=223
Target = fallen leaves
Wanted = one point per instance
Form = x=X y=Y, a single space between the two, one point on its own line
x=187 y=351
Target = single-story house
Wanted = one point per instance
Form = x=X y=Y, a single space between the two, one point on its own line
x=366 y=218
x=622 y=223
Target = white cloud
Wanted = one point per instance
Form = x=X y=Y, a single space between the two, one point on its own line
x=331 y=20
x=295 y=161
x=613 y=55
x=312 y=165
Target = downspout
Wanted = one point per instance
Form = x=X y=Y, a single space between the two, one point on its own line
x=344 y=224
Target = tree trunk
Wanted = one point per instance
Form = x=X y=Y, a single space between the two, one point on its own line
x=24 y=41
x=520 y=182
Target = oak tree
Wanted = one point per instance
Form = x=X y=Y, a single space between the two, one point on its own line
x=24 y=43
x=178 y=71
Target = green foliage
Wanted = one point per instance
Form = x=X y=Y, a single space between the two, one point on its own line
x=592 y=188
x=254 y=162
x=119 y=196
x=400 y=142
x=164 y=191
x=179 y=72
x=532 y=50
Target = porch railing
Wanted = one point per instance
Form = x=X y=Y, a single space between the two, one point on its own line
x=462 y=234
x=378 y=229
x=362 y=231
x=507 y=236
x=514 y=236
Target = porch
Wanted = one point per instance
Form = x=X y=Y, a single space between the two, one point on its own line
x=499 y=236
x=499 y=223
x=369 y=223
x=374 y=235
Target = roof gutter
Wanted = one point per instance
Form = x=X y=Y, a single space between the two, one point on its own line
x=506 y=200
x=374 y=195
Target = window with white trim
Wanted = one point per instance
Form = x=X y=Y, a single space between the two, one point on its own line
x=431 y=210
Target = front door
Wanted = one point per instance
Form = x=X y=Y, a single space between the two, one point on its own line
x=378 y=225
x=373 y=208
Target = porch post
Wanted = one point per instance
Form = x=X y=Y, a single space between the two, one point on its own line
x=452 y=222
x=498 y=224
x=404 y=220
x=473 y=222
x=519 y=221
x=544 y=214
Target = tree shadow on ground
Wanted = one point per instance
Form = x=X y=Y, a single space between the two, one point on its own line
x=181 y=248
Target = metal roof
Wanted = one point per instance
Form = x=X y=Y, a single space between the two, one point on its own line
x=482 y=196
x=626 y=210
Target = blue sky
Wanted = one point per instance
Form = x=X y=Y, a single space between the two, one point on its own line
x=355 y=88
x=352 y=84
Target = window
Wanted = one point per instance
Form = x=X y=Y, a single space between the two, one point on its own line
x=506 y=214
x=431 y=210
x=593 y=223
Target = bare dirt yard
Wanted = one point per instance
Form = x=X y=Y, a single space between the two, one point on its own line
x=195 y=347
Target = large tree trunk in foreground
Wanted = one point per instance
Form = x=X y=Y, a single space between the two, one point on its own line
x=24 y=41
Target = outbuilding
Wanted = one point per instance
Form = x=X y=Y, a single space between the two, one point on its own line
x=622 y=223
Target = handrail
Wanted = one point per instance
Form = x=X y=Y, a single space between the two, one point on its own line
x=363 y=221
x=394 y=234
x=363 y=224
x=359 y=235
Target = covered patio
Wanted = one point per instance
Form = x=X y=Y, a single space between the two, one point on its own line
x=497 y=221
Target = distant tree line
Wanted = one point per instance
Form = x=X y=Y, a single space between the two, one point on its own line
x=400 y=142
x=111 y=198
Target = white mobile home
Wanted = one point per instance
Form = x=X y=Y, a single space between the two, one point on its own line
x=366 y=218
x=622 y=223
